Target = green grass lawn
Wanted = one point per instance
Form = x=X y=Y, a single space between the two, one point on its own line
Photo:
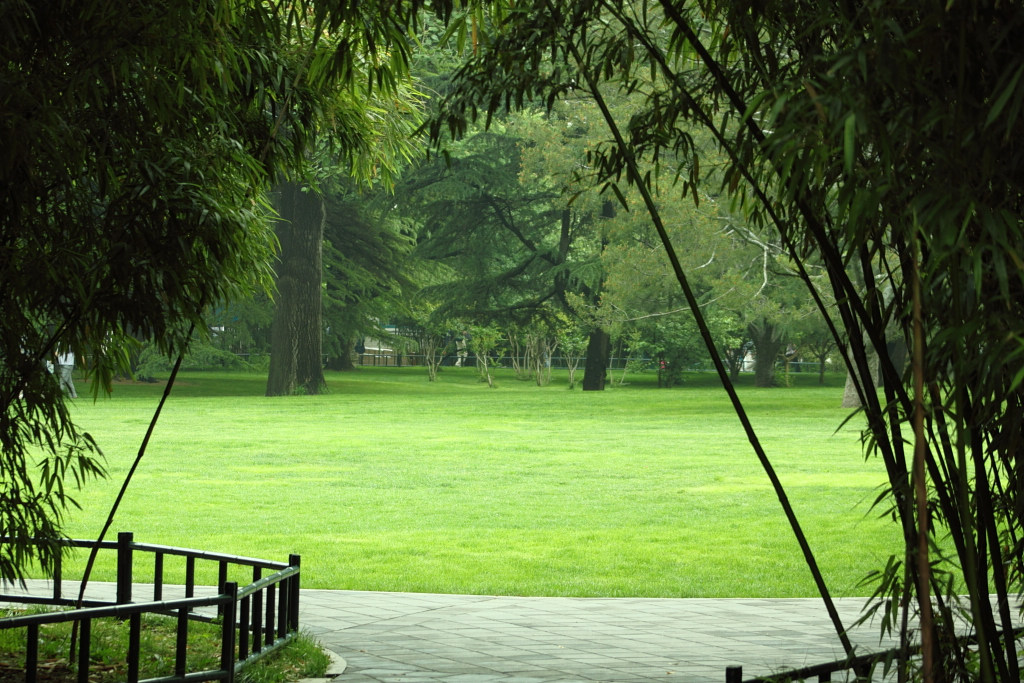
x=390 y=482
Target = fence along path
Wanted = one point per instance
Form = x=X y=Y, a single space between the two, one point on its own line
x=256 y=618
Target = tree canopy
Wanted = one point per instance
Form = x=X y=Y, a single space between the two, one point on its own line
x=138 y=143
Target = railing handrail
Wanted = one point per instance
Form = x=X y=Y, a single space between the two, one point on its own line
x=207 y=555
x=114 y=610
x=256 y=619
x=276 y=577
x=167 y=550
x=861 y=665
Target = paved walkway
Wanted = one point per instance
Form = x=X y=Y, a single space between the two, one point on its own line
x=416 y=638
x=471 y=638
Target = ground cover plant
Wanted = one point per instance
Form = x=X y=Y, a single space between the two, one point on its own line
x=391 y=482
x=299 y=658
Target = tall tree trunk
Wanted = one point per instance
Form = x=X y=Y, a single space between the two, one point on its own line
x=851 y=399
x=598 y=346
x=595 y=370
x=296 y=342
x=767 y=340
x=734 y=360
x=343 y=361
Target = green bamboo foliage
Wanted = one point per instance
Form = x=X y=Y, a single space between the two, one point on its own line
x=138 y=142
x=882 y=142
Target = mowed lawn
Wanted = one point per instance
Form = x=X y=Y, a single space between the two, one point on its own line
x=393 y=483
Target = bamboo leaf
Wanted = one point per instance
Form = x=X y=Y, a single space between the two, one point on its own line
x=1004 y=97
x=849 y=141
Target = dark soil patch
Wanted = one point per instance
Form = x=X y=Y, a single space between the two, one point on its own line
x=53 y=671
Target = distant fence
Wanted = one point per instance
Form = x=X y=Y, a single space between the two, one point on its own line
x=390 y=358
x=255 y=619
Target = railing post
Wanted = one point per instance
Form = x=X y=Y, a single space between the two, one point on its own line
x=243 y=628
x=222 y=580
x=227 y=635
x=293 y=600
x=58 y=575
x=190 y=577
x=256 y=616
x=31 y=653
x=181 y=644
x=84 y=645
x=269 y=622
x=124 y=567
x=134 y=646
x=284 y=610
x=158 y=577
x=733 y=674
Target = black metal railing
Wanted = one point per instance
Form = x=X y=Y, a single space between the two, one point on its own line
x=861 y=666
x=255 y=619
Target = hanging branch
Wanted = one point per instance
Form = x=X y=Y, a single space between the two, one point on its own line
x=124 y=488
x=633 y=173
x=851 y=309
x=920 y=483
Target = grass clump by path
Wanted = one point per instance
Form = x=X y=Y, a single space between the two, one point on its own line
x=300 y=658
x=390 y=482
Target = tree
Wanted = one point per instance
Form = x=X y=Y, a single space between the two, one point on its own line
x=816 y=341
x=367 y=269
x=378 y=125
x=482 y=342
x=559 y=144
x=747 y=292
x=768 y=295
x=491 y=234
x=242 y=326
x=342 y=267
x=126 y=211
x=572 y=344
x=296 y=355
x=514 y=247
x=524 y=235
x=865 y=136
x=431 y=333
x=139 y=141
x=642 y=296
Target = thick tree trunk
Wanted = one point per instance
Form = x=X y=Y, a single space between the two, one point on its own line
x=296 y=342
x=851 y=399
x=595 y=371
x=767 y=344
x=734 y=360
x=343 y=362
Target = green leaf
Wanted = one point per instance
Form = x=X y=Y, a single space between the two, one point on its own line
x=849 y=141
x=1004 y=97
